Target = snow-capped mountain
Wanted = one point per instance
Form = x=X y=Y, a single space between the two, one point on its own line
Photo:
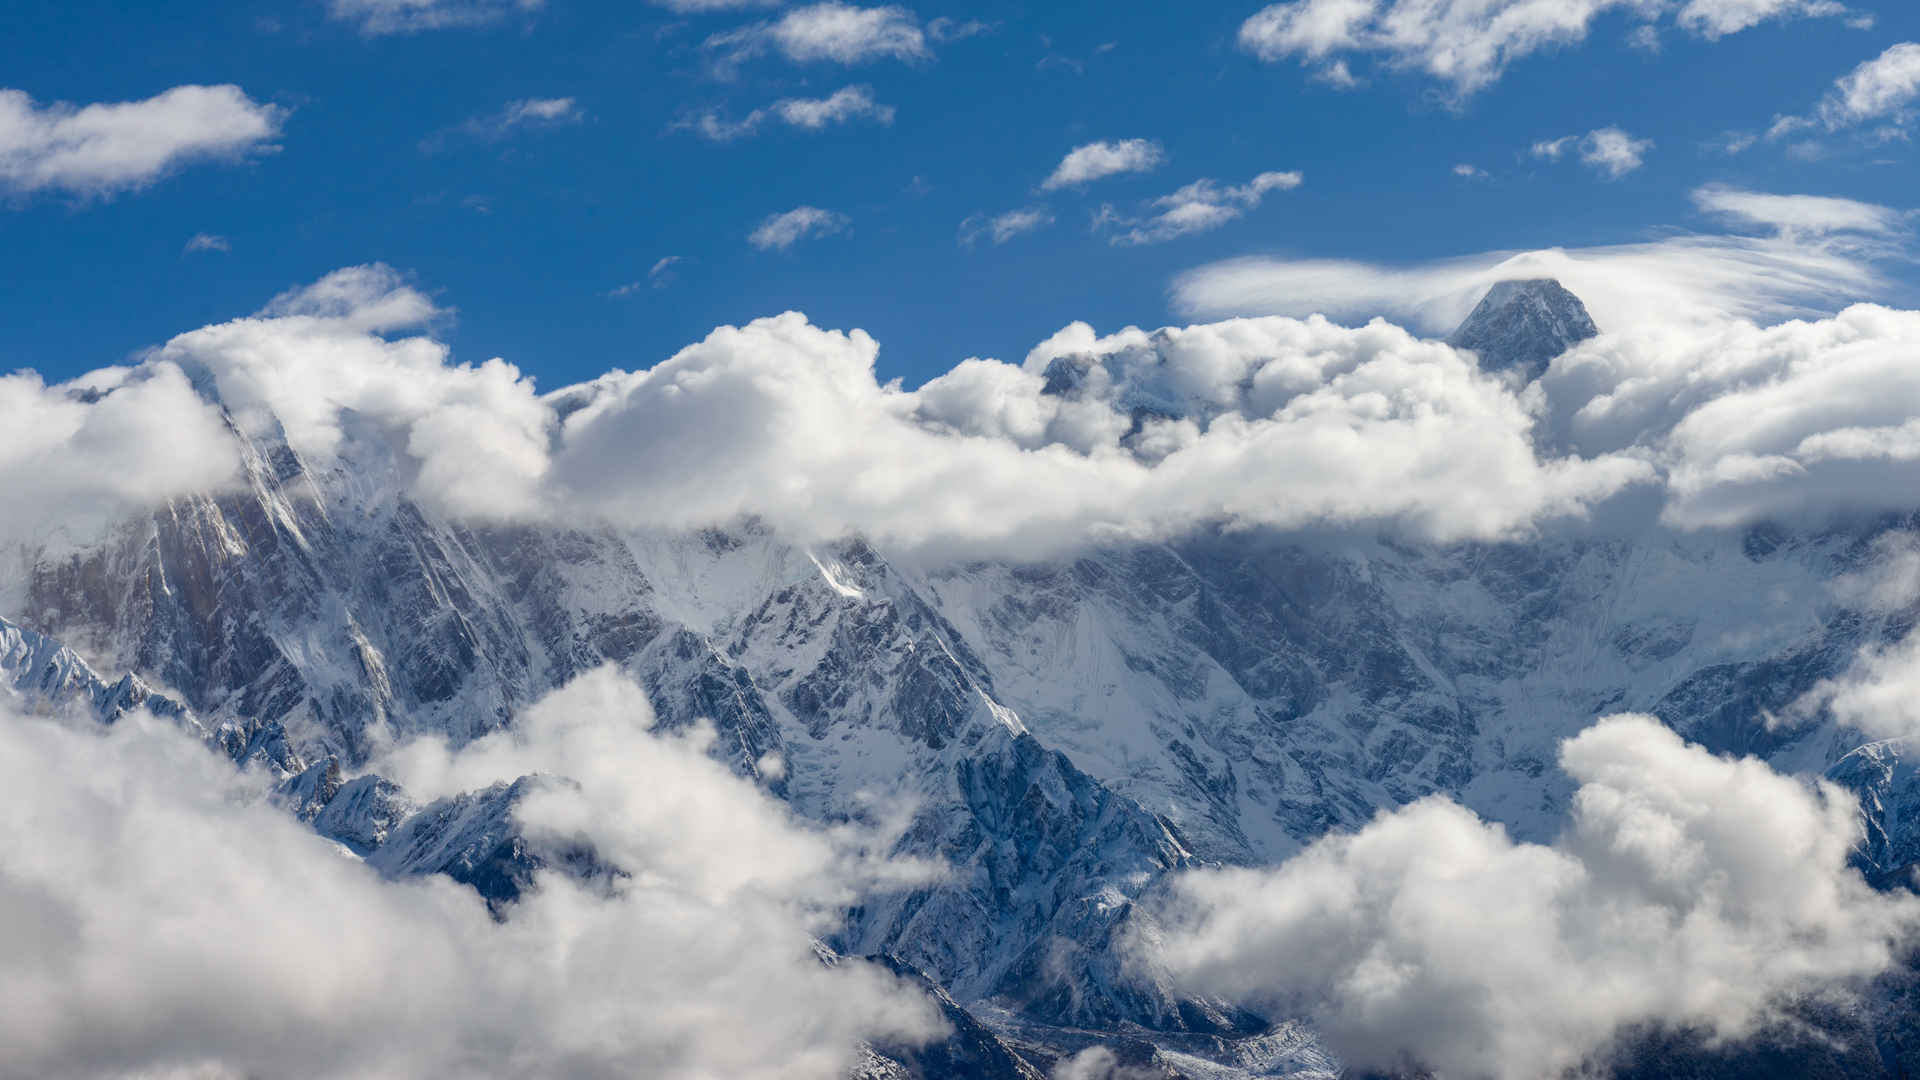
x=1067 y=732
x=1522 y=325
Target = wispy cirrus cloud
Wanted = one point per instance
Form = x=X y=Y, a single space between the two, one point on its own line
x=1801 y=215
x=375 y=18
x=781 y=231
x=1099 y=160
x=513 y=118
x=1001 y=228
x=844 y=106
x=1199 y=207
x=107 y=149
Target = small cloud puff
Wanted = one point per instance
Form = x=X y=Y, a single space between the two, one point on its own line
x=781 y=231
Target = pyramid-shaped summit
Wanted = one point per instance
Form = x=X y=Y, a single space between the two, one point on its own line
x=1523 y=324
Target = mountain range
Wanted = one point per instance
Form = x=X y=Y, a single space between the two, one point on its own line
x=1069 y=731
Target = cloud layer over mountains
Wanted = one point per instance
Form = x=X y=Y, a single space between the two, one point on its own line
x=1272 y=421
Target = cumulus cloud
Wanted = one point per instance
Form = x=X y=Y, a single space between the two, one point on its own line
x=1883 y=89
x=169 y=882
x=314 y=362
x=80 y=455
x=1468 y=44
x=1686 y=890
x=1789 y=422
x=206 y=242
x=1609 y=150
x=101 y=150
x=782 y=231
x=845 y=105
x=1800 y=215
x=1200 y=206
x=825 y=32
x=379 y=17
x=1001 y=228
x=1096 y=160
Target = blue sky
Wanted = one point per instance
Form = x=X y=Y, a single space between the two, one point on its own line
x=525 y=163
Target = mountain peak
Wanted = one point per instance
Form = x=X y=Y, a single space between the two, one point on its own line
x=1522 y=324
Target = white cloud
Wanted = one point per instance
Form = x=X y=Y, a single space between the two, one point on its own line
x=83 y=454
x=1470 y=172
x=1613 y=151
x=100 y=150
x=1883 y=89
x=1879 y=94
x=1198 y=207
x=1468 y=44
x=1607 y=150
x=782 y=231
x=1687 y=890
x=1792 y=422
x=1800 y=215
x=1713 y=19
x=169 y=883
x=825 y=32
x=510 y=119
x=378 y=17
x=844 y=105
x=476 y=434
x=1001 y=228
x=1097 y=160
x=1879 y=693
x=207 y=242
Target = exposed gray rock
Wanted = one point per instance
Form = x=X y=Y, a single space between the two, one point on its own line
x=1522 y=325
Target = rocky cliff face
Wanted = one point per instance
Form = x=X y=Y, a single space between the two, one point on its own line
x=1522 y=325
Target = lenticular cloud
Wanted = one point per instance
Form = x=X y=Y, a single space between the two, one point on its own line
x=1272 y=421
